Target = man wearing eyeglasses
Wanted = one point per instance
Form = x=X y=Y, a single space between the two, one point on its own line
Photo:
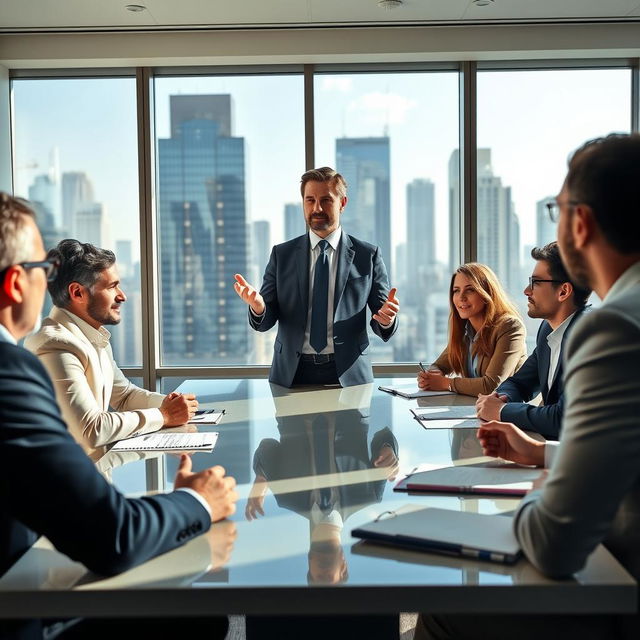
x=74 y=347
x=592 y=492
x=559 y=302
x=48 y=486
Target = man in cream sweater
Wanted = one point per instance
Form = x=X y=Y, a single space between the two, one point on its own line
x=73 y=345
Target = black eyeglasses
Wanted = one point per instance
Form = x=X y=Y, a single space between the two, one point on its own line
x=50 y=266
x=534 y=281
x=553 y=208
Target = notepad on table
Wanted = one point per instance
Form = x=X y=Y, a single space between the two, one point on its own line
x=411 y=393
x=207 y=416
x=168 y=442
x=458 y=533
x=488 y=478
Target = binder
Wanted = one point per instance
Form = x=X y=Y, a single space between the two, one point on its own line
x=455 y=533
x=487 y=478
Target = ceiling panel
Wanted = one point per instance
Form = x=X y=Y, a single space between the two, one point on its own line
x=545 y=9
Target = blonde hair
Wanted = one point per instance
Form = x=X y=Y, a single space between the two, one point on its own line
x=497 y=306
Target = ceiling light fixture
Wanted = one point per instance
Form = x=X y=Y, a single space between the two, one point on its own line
x=482 y=3
x=135 y=8
x=389 y=4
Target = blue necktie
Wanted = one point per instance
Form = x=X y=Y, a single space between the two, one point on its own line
x=320 y=300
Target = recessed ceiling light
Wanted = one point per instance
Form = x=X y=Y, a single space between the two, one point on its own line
x=389 y=4
x=482 y=3
x=136 y=8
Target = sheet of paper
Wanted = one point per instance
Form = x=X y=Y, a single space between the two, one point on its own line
x=207 y=418
x=445 y=412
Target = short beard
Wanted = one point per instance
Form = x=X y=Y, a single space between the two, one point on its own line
x=574 y=263
x=98 y=317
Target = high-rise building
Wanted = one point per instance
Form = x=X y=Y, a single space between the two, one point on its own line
x=421 y=242
x=294 y=224
x=365 y=165
x=261 y=245
x=455 y=236
x=546 y=231
x=90 y=225
x=203 y=235
x=77 y=194
x=124 y=258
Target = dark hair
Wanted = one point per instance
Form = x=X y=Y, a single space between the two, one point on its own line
x=324 y=174
x=79 y=262
x=550 y=253
x=604 y=173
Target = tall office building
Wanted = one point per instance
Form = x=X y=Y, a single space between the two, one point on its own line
x=91 y=225
x=455 y=235
x=294 y=224
x=261 y=245
x=421 y=241
x=203 y=235
x=546 y=231
x=365 y=165
x=77 y=194
x=124 y=258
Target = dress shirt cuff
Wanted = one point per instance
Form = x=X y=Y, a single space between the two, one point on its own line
x=550 y=448
x=151 y=420
x=198 y=497
x=256 y=316
x=387 y=326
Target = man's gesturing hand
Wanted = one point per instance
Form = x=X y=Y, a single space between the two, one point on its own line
x=504 y=440
x=216 y=488
x=178 y=408
x=249 y=294
x=389 y=310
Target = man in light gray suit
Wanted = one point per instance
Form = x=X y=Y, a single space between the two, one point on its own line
x=592 y=493
x=317 y=287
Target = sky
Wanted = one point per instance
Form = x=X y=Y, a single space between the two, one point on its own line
x=531 y=120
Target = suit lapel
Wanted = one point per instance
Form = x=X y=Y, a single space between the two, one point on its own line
x=558 y=372
x=345 y=260
x=302 y=268
x=544 y=361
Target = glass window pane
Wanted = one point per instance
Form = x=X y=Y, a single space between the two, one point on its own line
x=528 y=124
x=76 y=160
x=394 y=138
x=230 y=151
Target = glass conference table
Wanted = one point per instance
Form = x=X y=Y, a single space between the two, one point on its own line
x=311 y=465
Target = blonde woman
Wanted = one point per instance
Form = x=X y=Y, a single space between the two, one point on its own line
x=486 y=336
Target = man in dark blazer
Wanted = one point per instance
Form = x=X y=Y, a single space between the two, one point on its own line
x=63 y=496
x=560 y=302
x=318 y=287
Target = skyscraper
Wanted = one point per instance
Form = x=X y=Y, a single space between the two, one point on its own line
x=294 y=224
x=261 y=245
x=365 y=165
x=90 y=224
x=421 y=232
x=455 y=237
x=546 y=231
x=77 y=194
x=203 y=236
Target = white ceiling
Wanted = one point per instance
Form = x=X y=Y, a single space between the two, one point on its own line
x=18 y=15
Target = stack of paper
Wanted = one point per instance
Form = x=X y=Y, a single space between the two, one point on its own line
x=169 y=442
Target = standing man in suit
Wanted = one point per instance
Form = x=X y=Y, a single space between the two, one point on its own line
x=318 y=287
x=552 y=296
x=73 y=345
x=65 y=498
x=592 y=493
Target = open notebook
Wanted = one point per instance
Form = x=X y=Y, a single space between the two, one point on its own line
x=458 y=533
x=159 y=441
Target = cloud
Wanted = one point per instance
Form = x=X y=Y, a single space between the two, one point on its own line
x=383 y=107
x=342 y=84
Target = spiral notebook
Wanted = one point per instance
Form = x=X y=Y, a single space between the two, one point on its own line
x=159 y=441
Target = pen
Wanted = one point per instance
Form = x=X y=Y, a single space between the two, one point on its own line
x=422 y=367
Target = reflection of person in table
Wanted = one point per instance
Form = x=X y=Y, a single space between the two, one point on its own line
x=310 y=447
x=486 y=341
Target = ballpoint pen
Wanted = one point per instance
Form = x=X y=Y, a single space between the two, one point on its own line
x=422 y=367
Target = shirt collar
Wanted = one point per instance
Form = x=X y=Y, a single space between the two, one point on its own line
x=470 y=332
x=630 y=277
x=5 y=335
x=558 y=333
x=333 y=239
x=97 y=337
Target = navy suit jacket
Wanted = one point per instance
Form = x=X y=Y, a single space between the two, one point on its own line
x=361 y=281
x=48 y=485
x=531 y=379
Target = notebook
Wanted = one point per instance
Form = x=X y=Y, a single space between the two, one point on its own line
x=159 y=441
x=457 y=533
x=488 y=478
x=207 y=416
x=411 y=393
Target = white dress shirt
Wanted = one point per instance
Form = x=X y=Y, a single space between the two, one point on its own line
x=334 y=240
x=88 y=382
x=8 y=337
x=554 y=340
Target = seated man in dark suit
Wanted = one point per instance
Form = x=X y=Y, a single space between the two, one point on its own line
x=317 y=287
x=64 y=497
x=553 y=296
